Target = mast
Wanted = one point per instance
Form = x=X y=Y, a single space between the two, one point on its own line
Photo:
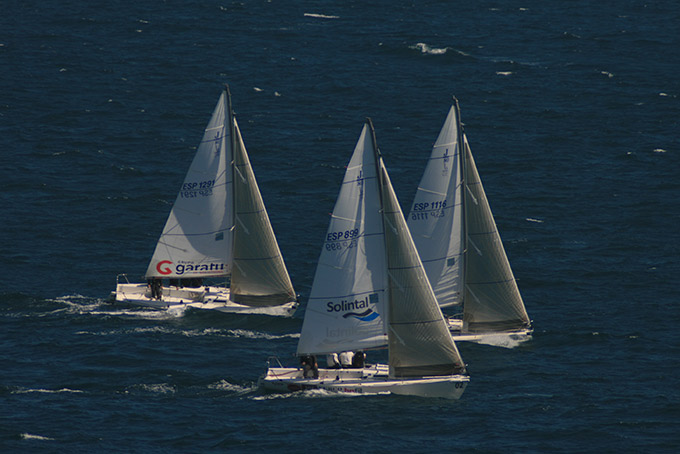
x=378 y=157
x=462 y=153
x=232 y=141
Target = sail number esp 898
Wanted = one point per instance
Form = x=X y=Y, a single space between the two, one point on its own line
x=336 y=241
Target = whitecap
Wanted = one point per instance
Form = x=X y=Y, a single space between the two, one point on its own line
x=27 y=436
x=158 y=388
x=321 y=16
x=47 y=391
x=424 y=48
x=539 y=221
x=659 y=150
x=503 y=73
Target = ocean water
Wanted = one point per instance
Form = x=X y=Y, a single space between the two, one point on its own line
x=571 y=109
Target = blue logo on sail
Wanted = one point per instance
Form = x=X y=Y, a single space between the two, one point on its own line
x=365 y=316
x=359 y=308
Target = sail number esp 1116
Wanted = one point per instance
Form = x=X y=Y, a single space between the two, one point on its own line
x=421 y=210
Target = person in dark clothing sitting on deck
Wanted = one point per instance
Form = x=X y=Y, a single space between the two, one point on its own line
x=310 y=368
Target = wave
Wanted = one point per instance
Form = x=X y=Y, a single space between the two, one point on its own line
x=46 y=391
x=224 y=385
x=218 y=332
x=157 y=388
x=424 y=48
x=260 y=335
x=27 y=436
x=320 y=16
x=310 y=394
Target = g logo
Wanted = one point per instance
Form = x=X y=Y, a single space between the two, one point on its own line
x=164 y=270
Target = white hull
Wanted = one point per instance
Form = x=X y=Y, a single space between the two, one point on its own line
x=490 y=337
x=205 y=297
x=370 y=380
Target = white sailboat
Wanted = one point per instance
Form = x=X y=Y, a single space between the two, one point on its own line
x=218 y=229
x=459 y=244
x=370 y=291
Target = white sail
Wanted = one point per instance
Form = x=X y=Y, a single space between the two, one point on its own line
x=492 y=299
x=197 y=237
x=259 y=275
x=346 y=307
x=436 y=217
x=420 y=343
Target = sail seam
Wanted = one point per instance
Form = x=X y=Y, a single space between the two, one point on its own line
x=348 y=295
x=490 y=282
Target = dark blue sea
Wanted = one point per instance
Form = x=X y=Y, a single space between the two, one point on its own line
x=572 y=111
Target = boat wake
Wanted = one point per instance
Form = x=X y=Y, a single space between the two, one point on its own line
x=501 y=340
x=224 y=385
x=307 y=394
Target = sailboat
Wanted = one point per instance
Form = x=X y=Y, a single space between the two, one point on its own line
x=219 y=230
x=459 y=244
x=370 y=291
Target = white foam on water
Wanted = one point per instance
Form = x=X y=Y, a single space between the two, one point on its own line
x=424 y=48
x=260 y=335
x=321 y=16
x=501 y=340
x=224 y=385
x=47 y=391
x=27 y=436
x=157 y=388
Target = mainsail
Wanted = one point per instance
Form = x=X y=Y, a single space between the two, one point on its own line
x=347 y=302
x=197 y=237
x=436 y=218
